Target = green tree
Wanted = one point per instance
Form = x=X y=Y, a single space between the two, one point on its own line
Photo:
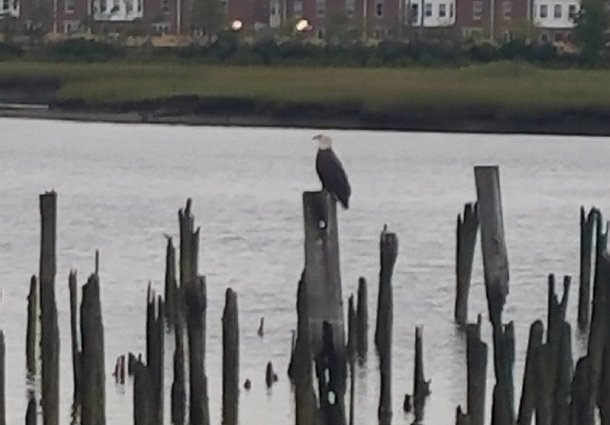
x=591 y=23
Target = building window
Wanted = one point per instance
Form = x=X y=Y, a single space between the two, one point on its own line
x=115 y=6
x=379 y=9
x=103 y=6
x=321 y=5
x=128 y=6
x=507 y=9
x=428 y=10
x=297 y=8
x=544 y=11
x=414 y=13
x=321 y=33
x=442 y=10
x=572 y=11
x=557 y=11
x=165 y=6
x=451 y=10
x=477 y=10
x=350 y=6
x=544 y=37
x=69 y=6
x=5 y=4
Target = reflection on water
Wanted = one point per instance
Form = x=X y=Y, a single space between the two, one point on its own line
x=120 y=187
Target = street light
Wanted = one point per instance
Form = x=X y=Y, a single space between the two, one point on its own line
x=236 y=25
x=302 y=25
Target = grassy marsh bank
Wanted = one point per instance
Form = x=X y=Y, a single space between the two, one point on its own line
x=504 y=90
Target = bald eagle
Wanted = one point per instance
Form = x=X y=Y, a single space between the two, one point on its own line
x=331 y=172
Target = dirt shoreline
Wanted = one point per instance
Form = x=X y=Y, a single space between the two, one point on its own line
x=581 y=123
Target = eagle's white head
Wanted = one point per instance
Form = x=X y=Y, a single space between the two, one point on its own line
x=324 y=142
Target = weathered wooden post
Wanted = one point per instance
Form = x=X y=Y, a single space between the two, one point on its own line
x=322 y=270
x=76 y=354
x=196 y=306
x=305 y=399
x=330 y=371
x=30 y=345
x=461 y=418
x=2 y=380
x=48 y=308
x=388 y=245
x=466 y=238
x=92 y=370
x=495 y=265
x=495 y=259
x=587 y=225
x=581 y=410
x=31 y=418
x=421 y=387
x=155 y=337
x=144 y=412
x=192 y=294
x=230 y=359
x=362 y=319
x=352 y=345
x=171 y=285
x=476 y=355
x=178 y=402
x=530 y=383
x=599 y=321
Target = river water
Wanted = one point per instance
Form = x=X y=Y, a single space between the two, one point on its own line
x=120 y=187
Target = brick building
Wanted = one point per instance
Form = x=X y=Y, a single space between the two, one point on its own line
x=378 y=19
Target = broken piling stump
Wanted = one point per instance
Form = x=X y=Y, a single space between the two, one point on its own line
x=144 y=412
x=466 y=238
x=75 y=346
x=388 y=246
x=530 y=383
x=48 y=310
x=305 y=398
x=362 y=320
x=171 y=285
x=322 y=267
x=476 y=363
x=495 y=259
x=196 y=306
x=230 y=360
x=30 y=345
x=587 y=225
x=31 y=417
x=421 y=387
x=92 y=365
x=178 y=391
x=330 y=372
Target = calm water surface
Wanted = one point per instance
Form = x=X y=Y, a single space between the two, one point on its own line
x=120 y=187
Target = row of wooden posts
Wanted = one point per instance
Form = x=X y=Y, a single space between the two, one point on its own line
x=324 y=353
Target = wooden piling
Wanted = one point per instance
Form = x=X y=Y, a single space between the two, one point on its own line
x=171 y=285
x=495 y=259
x=352 y=344
x=48 y=308
x=178 y=391
x=530 y=382
x=230 y=359
x=2 y=380
x=476 y=355
x=466 y=237
x=305 y=399
x=92 y=365
x=144 y=412
x=31 y=417
x=461 y=418
x=76 y=353
x=30 y=345
x=504 y=357
x=581 y=410
x=421 y=387
x=331 y=374
x=587 y=225
x=196 y=306
x=388 y=245
x=322 y=267
x=155 y=351
x=362 y=319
